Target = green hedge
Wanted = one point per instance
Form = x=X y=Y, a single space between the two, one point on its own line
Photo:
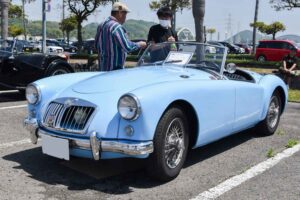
x=256 y=64
x=240 y=56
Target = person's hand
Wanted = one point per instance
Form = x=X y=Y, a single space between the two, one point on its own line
x=142 y=44
x=171 y=39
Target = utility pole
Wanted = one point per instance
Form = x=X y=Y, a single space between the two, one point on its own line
x=63 y=15
x=229 y=28
x=44 y=26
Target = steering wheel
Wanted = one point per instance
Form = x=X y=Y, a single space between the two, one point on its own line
x=209 y=65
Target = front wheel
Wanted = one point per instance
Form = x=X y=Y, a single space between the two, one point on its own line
x=170 y=145
x=269 y=125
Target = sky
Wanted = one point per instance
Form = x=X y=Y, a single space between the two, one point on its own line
x=226 y=16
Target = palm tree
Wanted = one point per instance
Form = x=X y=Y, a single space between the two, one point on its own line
x=198 y=13
x=255 y=27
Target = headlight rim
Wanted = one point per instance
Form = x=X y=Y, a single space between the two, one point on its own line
x=38 y=91
x=138 y=104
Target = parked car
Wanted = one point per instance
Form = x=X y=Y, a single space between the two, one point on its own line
x=18 y=69
x=157 y=110
x=233 y=48
x=246 y=47
x=66 y=47
x=215 y=43
x=88 y=46
x=274 y=50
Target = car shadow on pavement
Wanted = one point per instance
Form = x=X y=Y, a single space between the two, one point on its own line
x=11 y=96
x=115 y=176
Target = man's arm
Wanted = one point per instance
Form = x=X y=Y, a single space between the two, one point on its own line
x=123 y=41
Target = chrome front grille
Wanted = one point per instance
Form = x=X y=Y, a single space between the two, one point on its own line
x=69 y=118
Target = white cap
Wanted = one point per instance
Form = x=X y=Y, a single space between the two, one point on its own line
x=118 y=6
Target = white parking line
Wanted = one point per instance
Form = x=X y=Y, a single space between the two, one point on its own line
x=15 y=143
x=233 y=182
x=12 y=107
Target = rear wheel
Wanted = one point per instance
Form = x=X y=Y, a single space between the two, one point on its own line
x=269 y=125
x=170 y=145
x=261 y=58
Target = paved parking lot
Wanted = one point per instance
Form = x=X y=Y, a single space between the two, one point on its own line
x=28 y=174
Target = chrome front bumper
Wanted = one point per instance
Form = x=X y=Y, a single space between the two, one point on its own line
x=94 y=144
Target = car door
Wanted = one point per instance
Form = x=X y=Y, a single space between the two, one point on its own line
x=248 y=104
x=27 y=68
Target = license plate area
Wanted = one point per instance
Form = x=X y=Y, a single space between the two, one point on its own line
x=56 y=147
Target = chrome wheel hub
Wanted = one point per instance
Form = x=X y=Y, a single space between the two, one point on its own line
x=174 y=143
x=273 y=112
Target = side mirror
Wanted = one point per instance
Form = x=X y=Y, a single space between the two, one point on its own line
x=230 y=68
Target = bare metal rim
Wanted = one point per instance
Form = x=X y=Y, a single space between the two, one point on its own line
x=273 y=112
x=174 y=143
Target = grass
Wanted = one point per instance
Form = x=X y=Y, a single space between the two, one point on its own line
x=270 y=153
x=280 y=132
x=291 y=143
x=294 y=95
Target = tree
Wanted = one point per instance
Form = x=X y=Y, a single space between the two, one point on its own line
x=198 y=13
x=211 y=31
x=255 y=27
x=285 y=4
x=271 y=29
x=23 y=16
x=81 y=9
x=14 y=31
x=14 y=11
x=68 y=25
x=175 y=6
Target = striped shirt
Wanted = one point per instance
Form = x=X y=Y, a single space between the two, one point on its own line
x=112 y=44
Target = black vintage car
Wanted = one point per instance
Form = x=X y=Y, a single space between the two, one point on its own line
x=17 y=69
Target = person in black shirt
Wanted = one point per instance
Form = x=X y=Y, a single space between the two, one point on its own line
x=289 y=65
x=162 y=32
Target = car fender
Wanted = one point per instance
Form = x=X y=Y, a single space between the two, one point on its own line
x=270 y=83
x=203 y=96
x=58 y=62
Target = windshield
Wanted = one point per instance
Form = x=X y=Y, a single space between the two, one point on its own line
x=298 y=45
x=185 y=54
x=6 y=45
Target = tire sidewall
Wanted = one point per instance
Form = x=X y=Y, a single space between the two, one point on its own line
x=160 y=139
x=51 y=71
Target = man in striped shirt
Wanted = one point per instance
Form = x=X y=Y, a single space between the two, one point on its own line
x=112 y=42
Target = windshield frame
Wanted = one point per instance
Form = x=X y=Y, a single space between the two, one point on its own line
x=221 y=60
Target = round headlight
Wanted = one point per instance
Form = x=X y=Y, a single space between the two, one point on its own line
x=32 y=94
x=129 y=107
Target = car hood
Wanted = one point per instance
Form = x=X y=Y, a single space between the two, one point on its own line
x=130 y=79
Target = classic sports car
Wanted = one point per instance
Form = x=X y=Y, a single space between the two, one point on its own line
x=173 y=100
x=18 y=69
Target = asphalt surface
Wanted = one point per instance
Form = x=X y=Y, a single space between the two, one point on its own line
x=25 y=173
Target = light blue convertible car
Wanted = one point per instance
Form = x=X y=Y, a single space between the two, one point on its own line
x=178 y=97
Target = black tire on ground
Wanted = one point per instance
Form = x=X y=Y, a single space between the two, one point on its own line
x=170 y=145
x=269 y=125
x=57 y=70
x=261 y=58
